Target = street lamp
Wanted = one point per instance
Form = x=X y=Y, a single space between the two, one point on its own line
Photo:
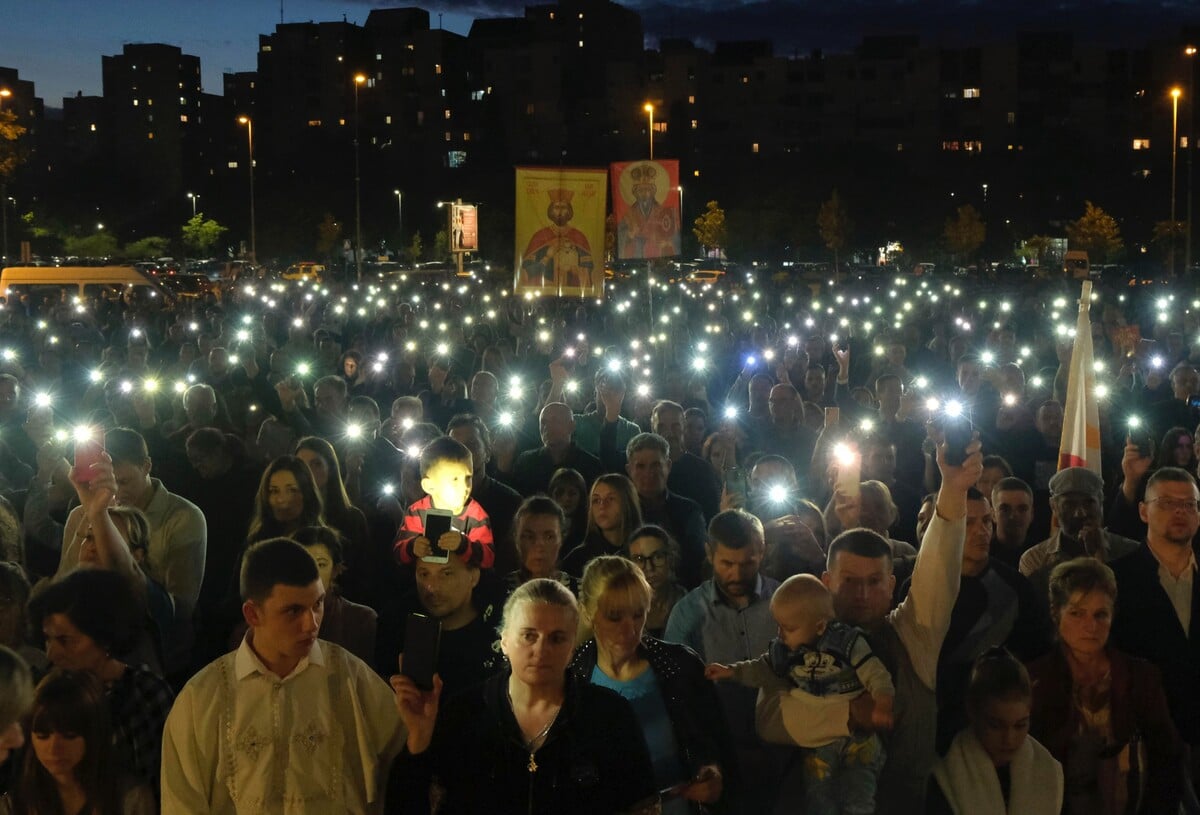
x=253 y=228
x=1190 y=52
x=4 y=94
x=359 y=79
x=194 y=198
x=1175 y=94
x=399 y=212
x=649 y=108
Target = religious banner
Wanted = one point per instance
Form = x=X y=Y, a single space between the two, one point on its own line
x=560 y=231
x=464 y=228
x=646 y=208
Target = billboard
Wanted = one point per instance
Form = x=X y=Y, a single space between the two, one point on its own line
x=560 y=231
x=464 y=228
x=646 y=208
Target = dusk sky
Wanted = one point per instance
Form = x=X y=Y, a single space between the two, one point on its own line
x=58 y=43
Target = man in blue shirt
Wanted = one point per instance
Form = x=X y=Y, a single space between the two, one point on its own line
x=728 y=619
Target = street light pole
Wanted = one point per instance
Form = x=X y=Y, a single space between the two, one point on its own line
x=358 y=80
x=1190 y=53
x=1175 y=94
x=194 y=198
x=650 y=112
x=4 y=94
x=253 y=226
x=399 y=213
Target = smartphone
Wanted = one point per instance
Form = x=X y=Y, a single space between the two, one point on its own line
x=958 y=432
x=422 y=636
x=1145 y=444
x=736 y=483
x=87 y=453
x=833 y=415
x=849 y=472
x=437 y=523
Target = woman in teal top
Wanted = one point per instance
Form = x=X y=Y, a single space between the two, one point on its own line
x=663 y=682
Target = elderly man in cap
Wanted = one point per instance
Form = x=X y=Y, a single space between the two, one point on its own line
x=1077 y=501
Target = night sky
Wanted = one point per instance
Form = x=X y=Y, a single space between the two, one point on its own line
x=58 y=43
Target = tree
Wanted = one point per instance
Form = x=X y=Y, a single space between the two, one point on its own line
x=98 y=245
x=441 y=245
x=964 y=233
x=1096 y=232
x=329 y=235
x=12 y=153
x=709 y=228
x=1169 y=237
x=835 y=227
x=1033 y=249
x=151 y=247
x=200 y=235
x=417 y=248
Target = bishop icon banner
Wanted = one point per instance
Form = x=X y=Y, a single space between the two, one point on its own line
x=646 y=208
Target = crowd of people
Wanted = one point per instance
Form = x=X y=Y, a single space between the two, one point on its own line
x=752 y=547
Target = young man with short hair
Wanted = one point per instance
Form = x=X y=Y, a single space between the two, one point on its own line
x=286 y=721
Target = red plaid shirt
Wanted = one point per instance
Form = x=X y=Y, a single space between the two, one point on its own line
x=472 y=523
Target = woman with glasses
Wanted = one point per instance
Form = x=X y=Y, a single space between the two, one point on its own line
x=657 y=554
x=614 y=511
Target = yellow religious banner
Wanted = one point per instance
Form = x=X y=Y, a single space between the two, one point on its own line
x=560 y=231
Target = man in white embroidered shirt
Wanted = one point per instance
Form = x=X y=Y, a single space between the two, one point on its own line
x=286 y=723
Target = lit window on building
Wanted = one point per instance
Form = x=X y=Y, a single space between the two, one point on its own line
x=476 y=96
x=266 y=49
x=446 y=113
x=150 y=135
x=135 y=103
x=552 y=15
x=695 y=173
x=387 y=120
x=754 y=147
x=182 y=101
x=1183 y=142
x=437 y=68
x=899 y=147
x=447 y=135
x=420 y=117
x=951 y=146
x=973 y=146
x=456 y=158
x=970 y=93
x=581 y=43
x=695 y=123
x=1012 y=117
x=745 y=79
x=183 y=117
x=233 y=165
x=581 y=15
x=150 y=102
x=692 y=99
x=466 y=135
x=92 y=127
x=342 y=122
x=529 y=109
x=314 y=122
x=1141 y=144
x=379 y=57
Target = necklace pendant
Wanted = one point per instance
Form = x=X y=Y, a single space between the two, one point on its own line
x=532 y=764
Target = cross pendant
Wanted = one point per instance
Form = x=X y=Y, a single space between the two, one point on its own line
x=532 y=764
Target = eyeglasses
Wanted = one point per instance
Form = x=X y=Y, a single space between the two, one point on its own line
x=654 y=558
x=1172 y=504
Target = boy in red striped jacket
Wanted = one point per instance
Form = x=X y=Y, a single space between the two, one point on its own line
x=446 y=478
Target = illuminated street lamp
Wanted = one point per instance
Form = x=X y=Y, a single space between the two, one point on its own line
x=1175 y=94
x=649 y=108
x=399 y=212
x=194 y=198
x=4 y=94
x=1190 y=53
x=253 y=228
x=359 y=79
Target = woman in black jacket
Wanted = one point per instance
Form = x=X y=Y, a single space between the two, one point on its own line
x=664 y=683
x=530 y=740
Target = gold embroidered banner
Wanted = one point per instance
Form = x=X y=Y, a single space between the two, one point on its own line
x=560 y=231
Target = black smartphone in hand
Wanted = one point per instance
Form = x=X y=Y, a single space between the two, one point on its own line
x=422 y=635
x=958 y=432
